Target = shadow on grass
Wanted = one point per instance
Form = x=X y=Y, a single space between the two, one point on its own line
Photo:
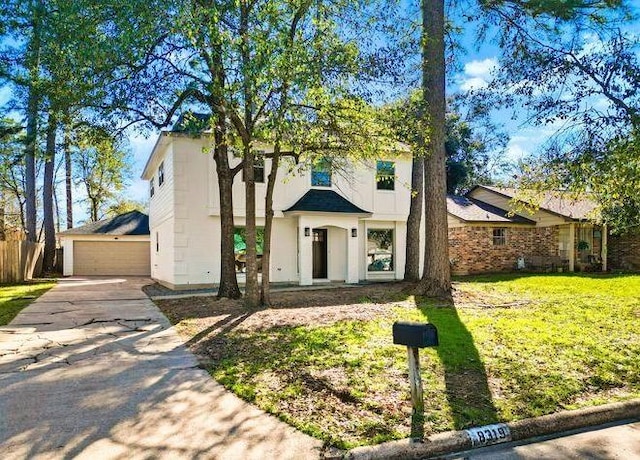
x=467 y=384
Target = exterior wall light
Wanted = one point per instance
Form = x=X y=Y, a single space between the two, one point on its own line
x=354 y=232
x=307 y=231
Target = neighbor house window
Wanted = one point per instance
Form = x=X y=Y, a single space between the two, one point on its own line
x=379 y=250
x=240 y=247
x=385 y=175
x=152 y=190
x=321 y=173
x=499 y=236
x=161 y=174
x=258 y=168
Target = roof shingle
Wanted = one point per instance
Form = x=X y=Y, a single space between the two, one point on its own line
x=472 y=210
x=130 y=223
x=325 y=201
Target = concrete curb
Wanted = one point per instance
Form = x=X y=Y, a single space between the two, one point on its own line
x=456 y=441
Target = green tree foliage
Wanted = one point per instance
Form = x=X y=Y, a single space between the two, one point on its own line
x=573 y=66
x=102 y=167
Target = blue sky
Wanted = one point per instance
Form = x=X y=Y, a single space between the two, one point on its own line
x=475 y=64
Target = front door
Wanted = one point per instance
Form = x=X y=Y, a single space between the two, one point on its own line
x=319 y=253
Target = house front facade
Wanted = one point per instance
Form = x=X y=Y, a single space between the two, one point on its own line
x=328 y=227
x=348 y=226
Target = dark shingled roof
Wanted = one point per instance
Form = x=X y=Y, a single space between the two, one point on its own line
x=325 y=201
x=471 y=210
x=130 y=223
x=192 y=123
x=560 y=203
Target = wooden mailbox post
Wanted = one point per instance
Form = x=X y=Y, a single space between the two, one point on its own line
x=415 y=336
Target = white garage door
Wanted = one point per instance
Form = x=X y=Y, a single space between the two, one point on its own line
x=111 y=258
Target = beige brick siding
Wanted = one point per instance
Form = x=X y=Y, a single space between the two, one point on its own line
x=471 y=248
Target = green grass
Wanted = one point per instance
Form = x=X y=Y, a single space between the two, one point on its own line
x=513 y=347
x=14 y=298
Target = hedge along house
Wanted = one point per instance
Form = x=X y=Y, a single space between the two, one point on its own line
x=327 y=227
x=115 y=246
x=488 y=232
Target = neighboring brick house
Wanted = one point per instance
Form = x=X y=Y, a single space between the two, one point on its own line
x=487 y=234
x=624 y=251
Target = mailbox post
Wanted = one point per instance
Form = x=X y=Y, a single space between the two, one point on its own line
x=415 y=336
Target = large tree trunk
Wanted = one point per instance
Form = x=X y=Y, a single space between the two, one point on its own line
x=67 y=176
x=252 y=290
x=33 y=64
x=268 y=226
x=228 y=280
x=436 y=277
x=412 y=264
x=48 y=261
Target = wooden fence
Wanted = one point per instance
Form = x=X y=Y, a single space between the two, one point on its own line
x=18 y=260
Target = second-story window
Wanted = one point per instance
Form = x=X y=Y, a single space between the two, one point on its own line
x=152 y=190
x=385 y=175
x=161 y=174
x=321 y=173
x=258 y=168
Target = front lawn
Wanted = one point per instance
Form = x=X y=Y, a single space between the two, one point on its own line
x=14 y=298
x=513 y=347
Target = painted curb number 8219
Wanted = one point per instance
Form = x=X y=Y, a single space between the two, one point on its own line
x=489 y=434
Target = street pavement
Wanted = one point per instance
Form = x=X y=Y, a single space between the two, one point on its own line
x=92 y=369
x=614 y=441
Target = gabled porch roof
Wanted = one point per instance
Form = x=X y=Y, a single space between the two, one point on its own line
x=325 y=201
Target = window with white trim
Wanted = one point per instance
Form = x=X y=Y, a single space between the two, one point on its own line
x=161 y=174
x=499 y=236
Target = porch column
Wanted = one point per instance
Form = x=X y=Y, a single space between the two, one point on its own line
x=572 y=247
x=604 y=248
x=305 y=253
x=352 y=254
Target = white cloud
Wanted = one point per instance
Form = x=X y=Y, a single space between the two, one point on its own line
x=478 y=73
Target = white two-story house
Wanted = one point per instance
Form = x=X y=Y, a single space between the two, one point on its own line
x=327 y=227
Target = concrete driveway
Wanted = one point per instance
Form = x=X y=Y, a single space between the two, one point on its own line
x=92 y=369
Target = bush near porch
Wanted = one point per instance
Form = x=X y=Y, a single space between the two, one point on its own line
x=513 y=347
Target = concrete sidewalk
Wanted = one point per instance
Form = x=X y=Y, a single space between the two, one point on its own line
x=92 y=369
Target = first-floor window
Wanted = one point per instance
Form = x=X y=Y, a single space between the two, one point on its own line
x=157 y=242
x=379 y=250
x=240 y=247
x=499 y=236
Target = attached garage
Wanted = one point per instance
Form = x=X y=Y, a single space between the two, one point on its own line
x=117 y=246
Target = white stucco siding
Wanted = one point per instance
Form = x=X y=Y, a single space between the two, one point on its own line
x=540 y=217
x=162 y=251
x=284 y=250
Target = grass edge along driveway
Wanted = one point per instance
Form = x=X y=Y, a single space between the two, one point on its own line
x=512 y=347
x=15 y=297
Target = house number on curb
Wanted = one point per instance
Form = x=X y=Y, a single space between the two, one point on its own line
x=489 y=434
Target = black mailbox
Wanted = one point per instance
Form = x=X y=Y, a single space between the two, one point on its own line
x=416 y=335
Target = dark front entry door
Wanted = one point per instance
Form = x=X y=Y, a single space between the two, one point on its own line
x=319 y=253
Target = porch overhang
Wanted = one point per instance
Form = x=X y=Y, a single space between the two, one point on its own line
x=325 y=202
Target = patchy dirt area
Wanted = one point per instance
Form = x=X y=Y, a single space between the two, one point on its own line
x=291 y=308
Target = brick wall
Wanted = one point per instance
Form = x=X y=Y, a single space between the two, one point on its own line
x=623 y=251
x=472 y=249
